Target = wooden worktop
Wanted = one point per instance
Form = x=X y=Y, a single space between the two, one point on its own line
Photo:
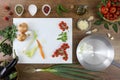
x=111 y=73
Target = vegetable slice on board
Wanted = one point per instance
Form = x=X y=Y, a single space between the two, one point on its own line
x=41 y=50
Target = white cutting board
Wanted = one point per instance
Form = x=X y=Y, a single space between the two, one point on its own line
x=47 y=30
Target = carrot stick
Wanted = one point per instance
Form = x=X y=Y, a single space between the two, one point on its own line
x=41 y=50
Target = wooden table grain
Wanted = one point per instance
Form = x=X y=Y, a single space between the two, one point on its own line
x=111 y=73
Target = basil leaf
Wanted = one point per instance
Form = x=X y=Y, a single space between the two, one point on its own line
x=106 y=26
x=115 y=28
x=109 y=23
x=98 y=22
x=104 y=2
x=100 y=15
x=119 y=22
x=98 y=6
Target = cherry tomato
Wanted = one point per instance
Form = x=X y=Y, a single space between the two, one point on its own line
x=63 y=26
x=109 y=4
x=113 y=9
x=104 y=10
x=118 y=13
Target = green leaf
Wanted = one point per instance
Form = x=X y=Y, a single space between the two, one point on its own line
x=59 y=12
x=115 y=28
x=119 y=22
x=106 y=26
x=109 y=23
x=104 y=2
x=98 y=22
x=62 y=8
x=100 y=15
x=98 y=6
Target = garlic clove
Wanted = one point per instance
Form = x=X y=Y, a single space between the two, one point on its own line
x=112 y=38
x=108 y=35
x=88 y=32
x=95 y=30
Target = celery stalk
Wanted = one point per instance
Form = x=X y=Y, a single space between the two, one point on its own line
x=31 y=52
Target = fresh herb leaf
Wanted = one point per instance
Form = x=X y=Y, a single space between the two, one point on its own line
x=9 y=32
x=5 y=48
x=115 y=28
x=100 y=15
x=98 y=22
x=119 y=22
x=106 y=26
x=98 y=6
x=104 y=2
x=109 y=23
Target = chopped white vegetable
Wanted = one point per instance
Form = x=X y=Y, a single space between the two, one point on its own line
x=83 y=25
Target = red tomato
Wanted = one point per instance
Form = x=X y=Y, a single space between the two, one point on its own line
x=104 y=10
x=118 y=9
x=114 y=0
x=108 y=15
x=105 y=16
x=118 y=13
x=113 y=9
x=111 y=15
x=109 y=4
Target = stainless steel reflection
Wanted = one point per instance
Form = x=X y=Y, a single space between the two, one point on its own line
x=99 y=57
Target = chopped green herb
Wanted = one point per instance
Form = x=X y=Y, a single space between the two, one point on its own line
x=63 y=37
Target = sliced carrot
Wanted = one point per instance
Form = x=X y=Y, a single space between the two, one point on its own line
x=40 y=48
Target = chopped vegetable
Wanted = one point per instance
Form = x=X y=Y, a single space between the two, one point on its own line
x=41 y=50
x=63 y=26
x=31 y=52
x=31 y=42
x=62 y=51
x=83 y=24
x=63 y=37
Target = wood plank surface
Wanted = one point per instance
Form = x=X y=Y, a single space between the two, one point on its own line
x=111 y=73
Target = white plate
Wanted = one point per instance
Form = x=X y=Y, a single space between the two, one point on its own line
x=47 y=30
